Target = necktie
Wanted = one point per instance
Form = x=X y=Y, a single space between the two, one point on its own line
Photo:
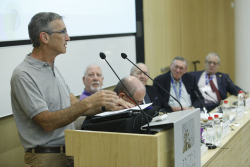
x=147 y=99
x=214 y=89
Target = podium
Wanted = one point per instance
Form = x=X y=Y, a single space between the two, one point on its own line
x=95 y=148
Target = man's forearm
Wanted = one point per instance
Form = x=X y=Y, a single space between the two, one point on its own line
x=50 y=121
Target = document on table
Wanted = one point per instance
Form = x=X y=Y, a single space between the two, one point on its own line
x=143 y=106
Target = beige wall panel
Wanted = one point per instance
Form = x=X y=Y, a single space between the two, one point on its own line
x=193 y=31
x=221 y=33
x=161 y=32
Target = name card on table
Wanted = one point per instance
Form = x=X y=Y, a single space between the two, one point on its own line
x=225 y=125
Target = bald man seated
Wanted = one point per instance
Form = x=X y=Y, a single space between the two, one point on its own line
x=134 y=86
x=125 y=123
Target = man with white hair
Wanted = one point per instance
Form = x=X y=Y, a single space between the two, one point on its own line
x=93 y=80
x=152 y=95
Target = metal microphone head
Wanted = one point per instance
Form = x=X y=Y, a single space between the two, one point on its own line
x=102 y=55
x=124 y=55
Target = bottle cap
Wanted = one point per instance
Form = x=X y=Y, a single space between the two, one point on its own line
x=216 y=116
x=225 y=101
x=210 y=118
x=240 y=91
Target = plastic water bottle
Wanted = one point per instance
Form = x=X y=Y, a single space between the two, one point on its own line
x=217 y=130
x=240 y=102
x=210 y=131
x=225 y=109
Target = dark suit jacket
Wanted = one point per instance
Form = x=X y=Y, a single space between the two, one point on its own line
x=154 y=96
x=190 y=83
x=223 y=85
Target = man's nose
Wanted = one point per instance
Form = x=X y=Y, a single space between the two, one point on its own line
x=67 y=36
x=95 y=77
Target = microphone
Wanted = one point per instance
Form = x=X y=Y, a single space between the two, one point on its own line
x=204 y=107
x=103 y=56
x=124 y=56
x=215 y=101
x=228 y=80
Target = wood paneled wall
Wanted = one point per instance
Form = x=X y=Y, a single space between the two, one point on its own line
x=188 y=28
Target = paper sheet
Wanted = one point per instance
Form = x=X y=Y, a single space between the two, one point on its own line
x=143 y=106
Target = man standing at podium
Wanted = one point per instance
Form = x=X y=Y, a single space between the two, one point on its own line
x=214 y=85
x=42 y=104
x=179 y=84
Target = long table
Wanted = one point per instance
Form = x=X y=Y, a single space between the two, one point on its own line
x=235 y=150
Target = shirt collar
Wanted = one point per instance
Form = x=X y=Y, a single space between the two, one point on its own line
x=208 y=74
x=87 y=93
x=174 y=79
x=37 y=63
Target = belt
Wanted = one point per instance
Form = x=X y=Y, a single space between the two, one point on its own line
x=60 y=149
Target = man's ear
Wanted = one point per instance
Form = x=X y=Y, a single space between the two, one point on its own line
x=121 y=95
x=83 y=79
x=185 y=70
x=44 y=37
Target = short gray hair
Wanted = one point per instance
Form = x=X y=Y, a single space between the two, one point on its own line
x=119 y=87
x=134 y=67
x=86 y=70
x=179 y=58
x=213 y=54
x=41 y=23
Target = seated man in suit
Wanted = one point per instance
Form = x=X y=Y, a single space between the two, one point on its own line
x=180 y=85
x=134 y=86
x=93 y=80
x=152 y=94
x=213 y=84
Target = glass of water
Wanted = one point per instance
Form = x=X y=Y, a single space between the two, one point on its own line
x=233 y=108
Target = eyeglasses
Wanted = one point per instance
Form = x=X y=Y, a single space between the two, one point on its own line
x=210 y=63
x=140 y=73
x=176 y=68
x=138 y=102
x=63 y=32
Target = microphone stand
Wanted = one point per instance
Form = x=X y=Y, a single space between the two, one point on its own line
x=103 y=56
x=204 y=107
x=233 y=86
x=215 y=101
x=124 y=56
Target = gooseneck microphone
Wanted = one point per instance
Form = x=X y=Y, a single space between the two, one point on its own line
x=103 y=56
x=228 y=80
x=124 y=56
x=204 y=107
x=215 y=101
